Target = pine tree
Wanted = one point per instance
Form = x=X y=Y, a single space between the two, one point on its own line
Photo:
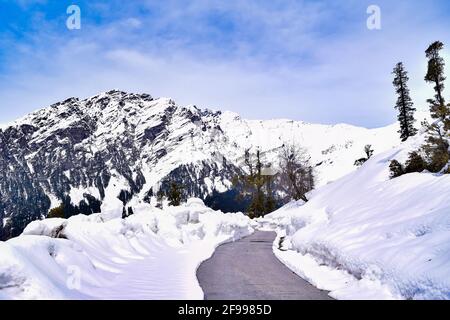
x=437 y=147
x=255 y=184
x=174 y=194
x=257 y=179
x=5 y=230
x=404 y=103
x=270 y=203
x=415 y=163
x=435 y=75
x=396 y=169
x=57 y=212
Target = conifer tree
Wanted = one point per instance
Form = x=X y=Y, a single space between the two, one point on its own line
x=415 y=163
x=396 y=169
x=437 y=147
x=404 y=103
x=57 y=212
x=174 y=194
x=257 y=185
x=257 y=180
x=435 y=75
x=270 y=203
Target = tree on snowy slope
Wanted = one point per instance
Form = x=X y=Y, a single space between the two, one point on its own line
x=270 y=204
x=174 y=194
x=159 y=199
x=436 y=148
x=369 y=153
x=57 y=212
x=396 y=169
x=435 y=75
x=437 y=145
x=415 y=163
x=297 y=177
x=404 y=103
x=256 y=183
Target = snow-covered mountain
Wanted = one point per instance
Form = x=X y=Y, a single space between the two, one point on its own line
x=364 y=236
x=152 y=254
x=367 y=236
x=89 y=153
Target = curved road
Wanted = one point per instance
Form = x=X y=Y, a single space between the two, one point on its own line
x=248 y=270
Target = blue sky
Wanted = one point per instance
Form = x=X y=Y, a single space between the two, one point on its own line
x=306 y=60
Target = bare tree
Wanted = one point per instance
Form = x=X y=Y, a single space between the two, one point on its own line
x=296 y=173
x=369 y=153
x=256 y=184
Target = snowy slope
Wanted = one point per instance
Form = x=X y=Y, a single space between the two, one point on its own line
x=84 y=153
x=102 y=257
x=333 y=148
x=366 y=236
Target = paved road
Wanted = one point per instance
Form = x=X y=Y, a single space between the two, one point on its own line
x=248 y=270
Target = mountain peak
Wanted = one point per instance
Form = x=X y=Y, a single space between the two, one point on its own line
x=127 y=146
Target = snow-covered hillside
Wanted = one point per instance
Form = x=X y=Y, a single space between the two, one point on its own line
x=84 y=153
x=366 y=236
x=362 y=235
x=152 y=254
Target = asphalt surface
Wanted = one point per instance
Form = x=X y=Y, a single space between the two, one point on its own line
x=248 y=270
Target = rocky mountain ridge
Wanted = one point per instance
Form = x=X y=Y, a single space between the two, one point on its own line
x=119 y=146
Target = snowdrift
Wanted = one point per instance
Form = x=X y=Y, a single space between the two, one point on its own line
x=368 y=237
x=152 y=254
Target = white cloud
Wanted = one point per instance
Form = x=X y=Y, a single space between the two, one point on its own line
x=287 y=70
x=27 y=3
x=133 y=23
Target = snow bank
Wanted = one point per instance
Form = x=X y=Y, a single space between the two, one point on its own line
x=366 y=236
x=152 y=254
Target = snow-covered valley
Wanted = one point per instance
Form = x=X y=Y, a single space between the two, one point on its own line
x=149 y=255
x=361 y=235
x=366 y=236
x=87 y=153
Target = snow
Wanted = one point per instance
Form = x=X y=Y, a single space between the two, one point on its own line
x=195 y=138
x=48 y=227
x=54 y=201
x=152 y=254
x=77 y=194
x=333 y=148
x=368 y=237
x=360 y=236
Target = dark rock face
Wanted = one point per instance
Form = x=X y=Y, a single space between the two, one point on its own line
x=20 y=192
x=90 y=145
x=192 y=178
